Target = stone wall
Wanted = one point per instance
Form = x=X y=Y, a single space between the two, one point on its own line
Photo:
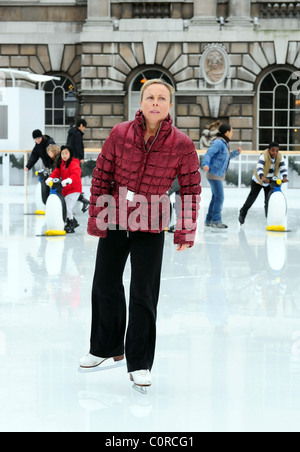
x=103 y=72
x=109 y=67
x=102 y=56
x=37 y=58
x=43 y=13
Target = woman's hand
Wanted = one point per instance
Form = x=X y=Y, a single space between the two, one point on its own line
x=239 y=149
x=183 y=247
x=206 y=168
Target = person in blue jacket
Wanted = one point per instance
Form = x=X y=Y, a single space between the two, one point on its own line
x=215 y=164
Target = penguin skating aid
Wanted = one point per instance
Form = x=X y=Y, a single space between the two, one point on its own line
x=42 y=192
x=277 y=208
x=56 y=211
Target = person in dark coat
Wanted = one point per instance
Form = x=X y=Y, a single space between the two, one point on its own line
x=75 y=139
x=40 y=150
x=75 y=142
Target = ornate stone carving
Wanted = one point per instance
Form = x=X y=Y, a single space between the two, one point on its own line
x=214 y=64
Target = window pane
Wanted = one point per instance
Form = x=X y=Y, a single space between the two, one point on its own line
x=265 y=136
x=281 y=135
x=48 y=100
x=281 y=118
x=266 y=100
x=58 y=98
x=48 y=117
x=294 y=102
x=60 y=82
x=282 y=76
x=58 y=117
x=295 y=118
x=295 y=136
x=281 y=97
x=268 y=84
x=265 y=118
x=49 y=86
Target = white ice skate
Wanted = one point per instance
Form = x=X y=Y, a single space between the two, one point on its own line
x=90 y=362
x=141 y=380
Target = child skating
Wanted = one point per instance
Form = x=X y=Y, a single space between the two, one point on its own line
x=69 y=171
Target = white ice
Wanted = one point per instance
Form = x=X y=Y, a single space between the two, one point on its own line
x=228 y=345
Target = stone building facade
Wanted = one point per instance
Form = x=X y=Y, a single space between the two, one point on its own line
x=234 y=60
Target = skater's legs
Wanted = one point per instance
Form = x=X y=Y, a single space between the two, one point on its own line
x=254 y=192
x=84 y=201
x=70 y=203
x=210 y=210
x=108 y=298
x=216 y=204
x=146 y=262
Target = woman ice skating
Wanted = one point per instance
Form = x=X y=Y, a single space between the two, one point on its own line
x=215 y=164
x=68 y=169
x=138 y=165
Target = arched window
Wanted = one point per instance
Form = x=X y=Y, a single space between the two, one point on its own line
x=279 y=111
x=137 y=83
x=55 y=118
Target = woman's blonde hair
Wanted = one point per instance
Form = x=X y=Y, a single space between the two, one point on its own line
x=158 y=81
x=54 y=148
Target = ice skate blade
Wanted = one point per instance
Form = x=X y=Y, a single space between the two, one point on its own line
x=140 y=389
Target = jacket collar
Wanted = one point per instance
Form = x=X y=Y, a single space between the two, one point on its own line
x=140 y=122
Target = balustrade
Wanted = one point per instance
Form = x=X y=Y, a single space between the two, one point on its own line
x=282 y=10
x=152 y=10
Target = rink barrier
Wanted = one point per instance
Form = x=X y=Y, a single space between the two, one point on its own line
x=6 y=153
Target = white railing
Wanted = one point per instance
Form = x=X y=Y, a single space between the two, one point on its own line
x=239 y=173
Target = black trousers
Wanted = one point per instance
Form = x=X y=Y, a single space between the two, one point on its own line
x=255 y=190
x=108 y=297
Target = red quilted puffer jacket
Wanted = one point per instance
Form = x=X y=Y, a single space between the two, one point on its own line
x=138 y=175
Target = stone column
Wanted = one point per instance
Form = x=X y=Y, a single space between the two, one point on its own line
x=239 y=12
x=205 y=13
x=98 y=13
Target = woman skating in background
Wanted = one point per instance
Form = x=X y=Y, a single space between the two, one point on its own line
x=215 y=164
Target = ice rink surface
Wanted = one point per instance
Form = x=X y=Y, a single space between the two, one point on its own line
x=228 y=345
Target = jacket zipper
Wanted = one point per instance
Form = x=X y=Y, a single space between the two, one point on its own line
x=146 y=158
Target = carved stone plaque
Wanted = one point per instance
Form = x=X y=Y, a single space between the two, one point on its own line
x=214 y=64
